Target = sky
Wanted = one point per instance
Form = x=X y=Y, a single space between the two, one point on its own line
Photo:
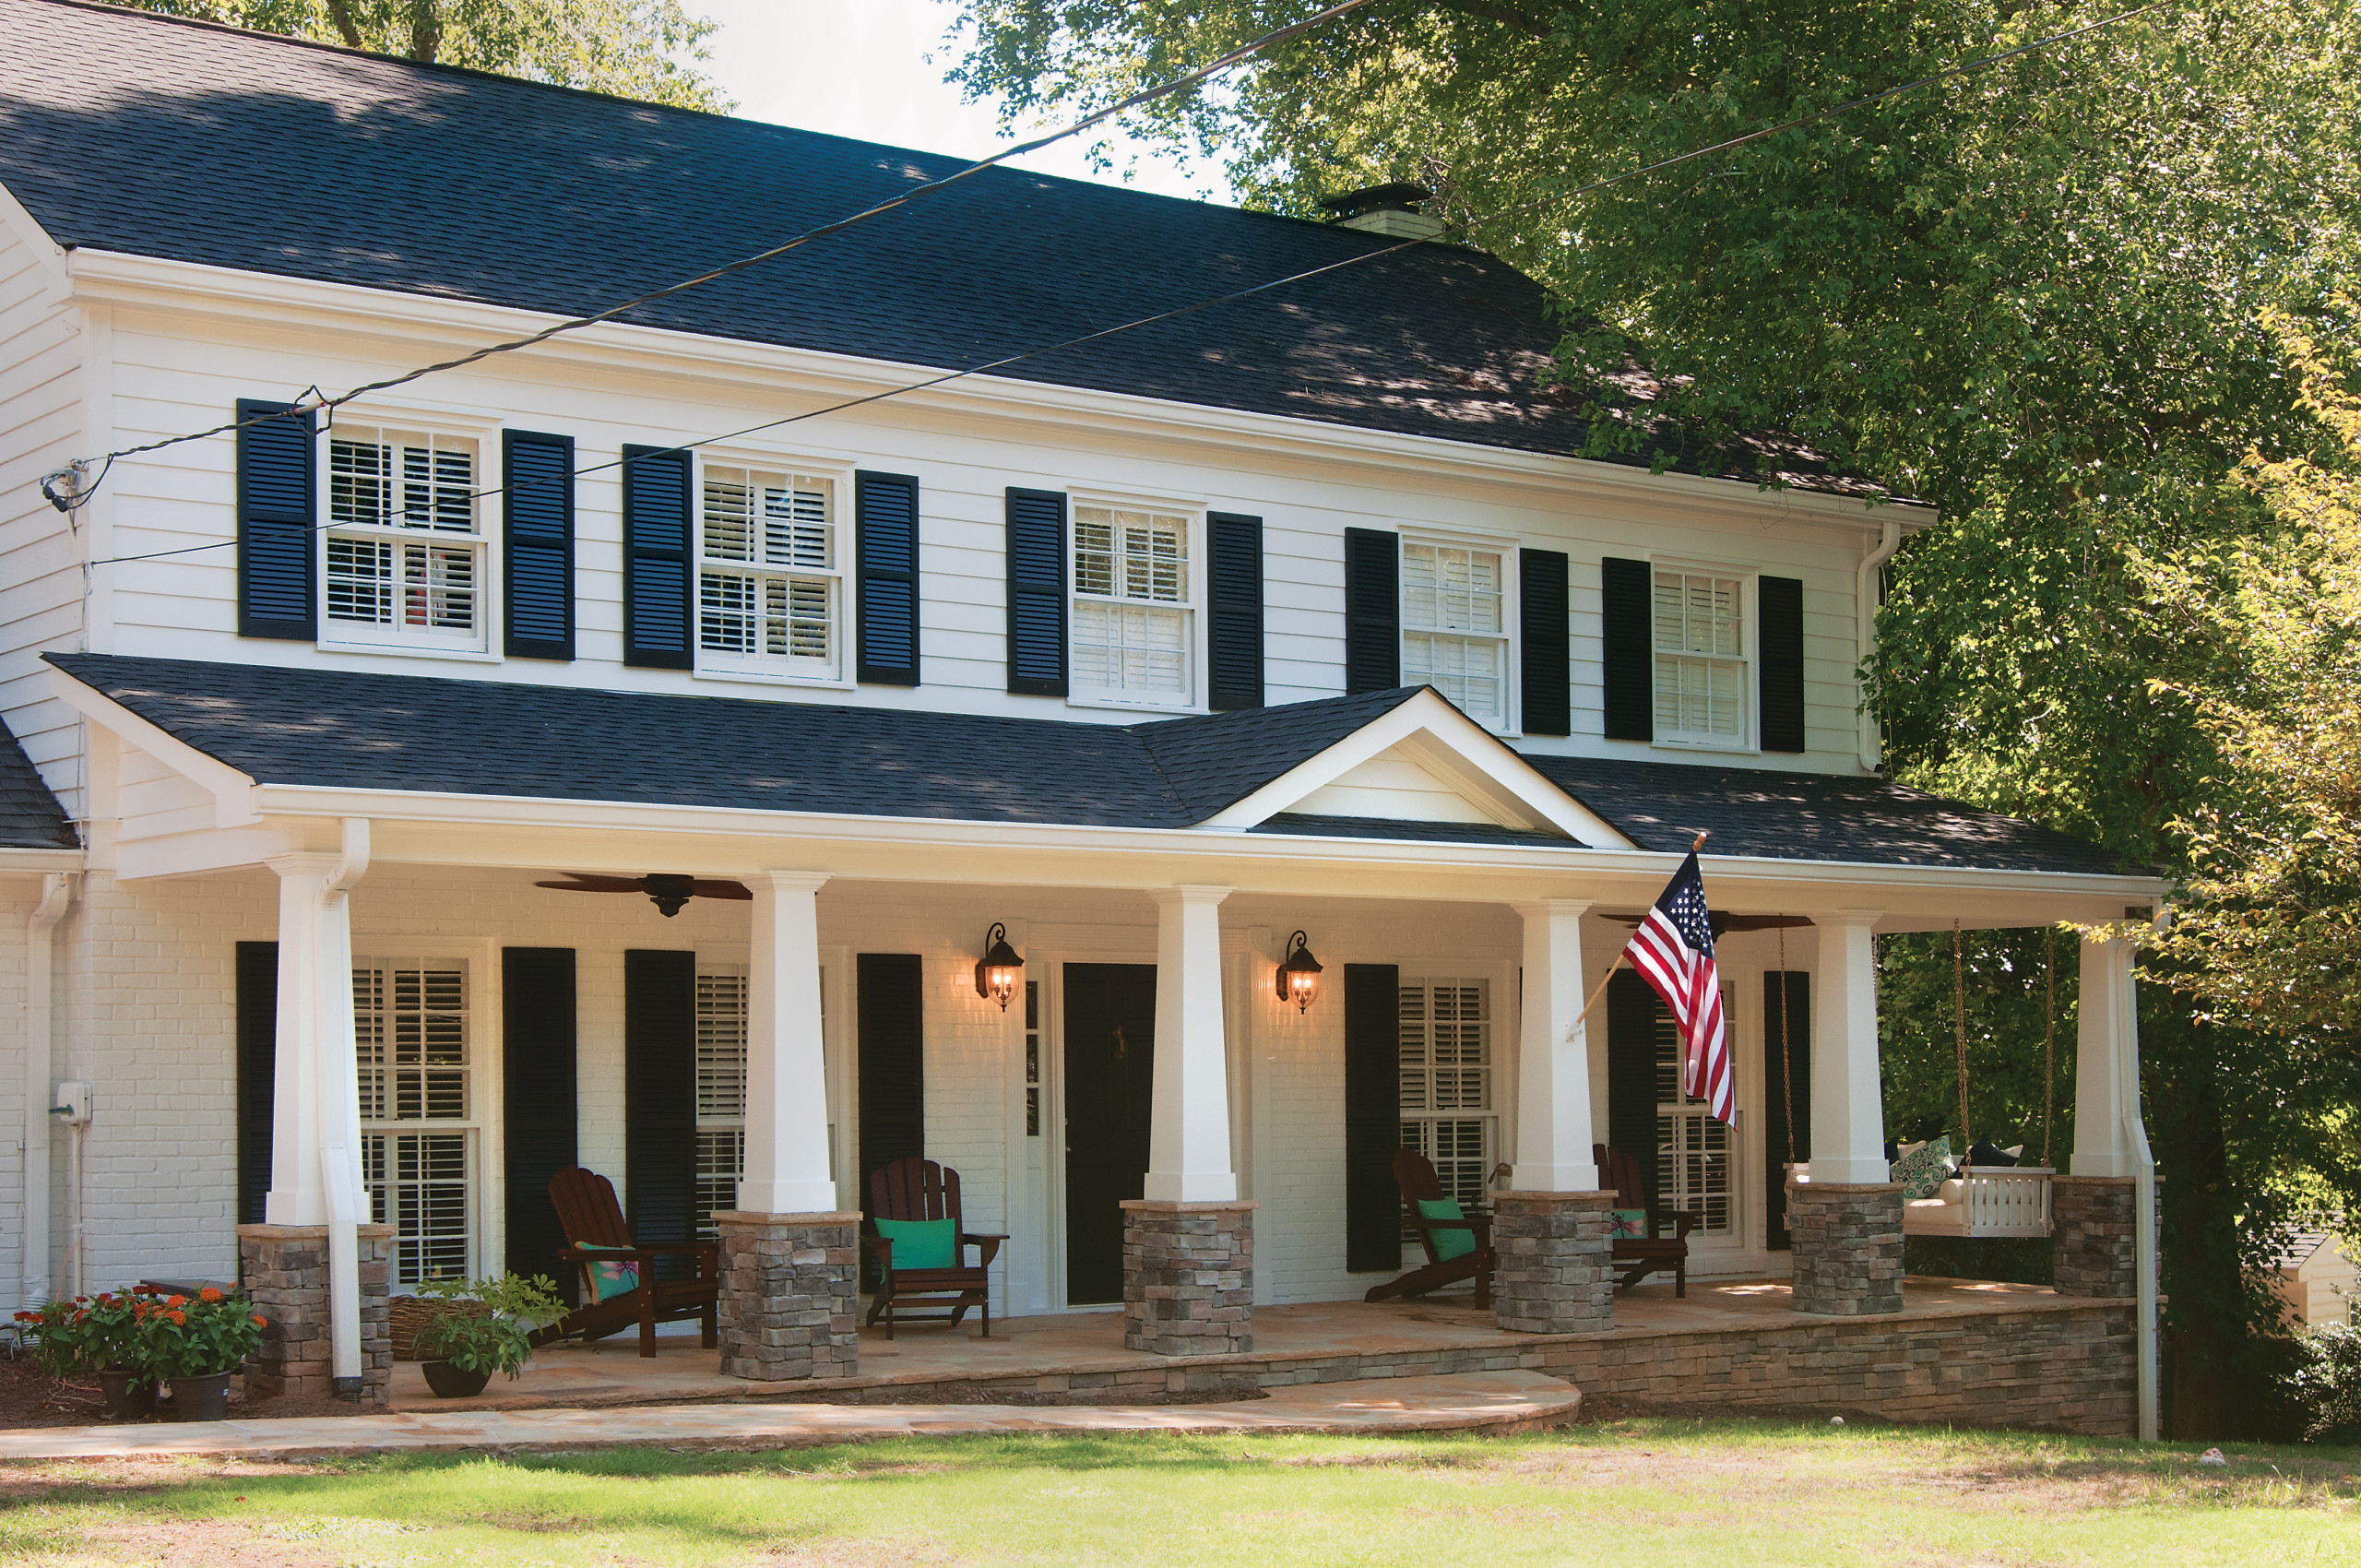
x=861 y=68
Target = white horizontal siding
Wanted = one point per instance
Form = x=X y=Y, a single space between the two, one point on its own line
x=43 y=420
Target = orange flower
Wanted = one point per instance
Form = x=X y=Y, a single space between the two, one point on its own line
x=177 y=1317
x=261 y=1322
x=208 y=1294
x=177 y=1302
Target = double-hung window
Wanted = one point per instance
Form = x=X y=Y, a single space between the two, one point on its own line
x=405 y=550
x=1133 y=637
x=1695 y=1171
x=722 y=1091
x=1454 y=630
x=418 y=1112
x=770 y=590
x=1702 y=690
x=1446 y=1061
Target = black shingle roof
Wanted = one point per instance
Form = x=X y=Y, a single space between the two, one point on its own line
x=352 y=729
x=30 y=817
x=129 y=132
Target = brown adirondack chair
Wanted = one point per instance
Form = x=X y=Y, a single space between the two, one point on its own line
x=919 y=1189
x=585 y=1206
x=1655 y=1252
x=1415 y=1174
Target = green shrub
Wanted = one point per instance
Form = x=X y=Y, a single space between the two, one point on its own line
x=2327 y=1384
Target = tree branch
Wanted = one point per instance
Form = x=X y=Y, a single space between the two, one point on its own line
x=425 y=31
x=340 y=12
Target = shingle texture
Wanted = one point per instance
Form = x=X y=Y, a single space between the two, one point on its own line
x=30 y=817
x=133 y=132
x=1813 y=816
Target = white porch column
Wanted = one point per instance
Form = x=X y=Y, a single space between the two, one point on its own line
x=1189 y=1139
x=2110 y=1139
x=1848 y=1104
x=1553 y=1118
x=787 y=1085
x=299 y=1129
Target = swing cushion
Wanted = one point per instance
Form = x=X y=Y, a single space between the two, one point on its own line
x=1922 y=1169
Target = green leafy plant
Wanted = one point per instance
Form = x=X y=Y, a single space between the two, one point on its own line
x=2327 y=1384
x=499 y=1337
x=211 y=1332
x=108 y=1332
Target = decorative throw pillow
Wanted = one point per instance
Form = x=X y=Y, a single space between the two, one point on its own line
x=1449 y=1245
x=923 y=1243
x=1922 y=1169
x=1986 y=1153
x=608 y=1280
x=1627 y=1224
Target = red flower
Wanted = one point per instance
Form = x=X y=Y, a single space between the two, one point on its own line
x=177 y=1302
x=178 y=1317
x=208 y=1294
x=261 y=1322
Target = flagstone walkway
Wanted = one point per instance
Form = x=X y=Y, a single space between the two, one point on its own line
x=1512 y=1401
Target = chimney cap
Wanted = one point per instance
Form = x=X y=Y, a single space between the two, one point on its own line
x=1401 y=196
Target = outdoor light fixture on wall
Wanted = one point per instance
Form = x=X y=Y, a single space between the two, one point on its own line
x=1299 y=975
x=996 y=971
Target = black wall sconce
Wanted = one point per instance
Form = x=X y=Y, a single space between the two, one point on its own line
x=996 y=971
x=1299 y=975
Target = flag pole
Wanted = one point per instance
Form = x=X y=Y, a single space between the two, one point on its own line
x=1695 y=845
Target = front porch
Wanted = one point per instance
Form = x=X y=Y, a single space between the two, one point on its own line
x=1972 y=1352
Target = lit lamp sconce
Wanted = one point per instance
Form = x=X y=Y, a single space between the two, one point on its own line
x=1299 y=975
x=996 y=971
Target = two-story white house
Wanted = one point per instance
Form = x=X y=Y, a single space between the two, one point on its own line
x=621 y=752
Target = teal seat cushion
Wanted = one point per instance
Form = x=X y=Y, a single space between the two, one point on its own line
x=1449 y=1245
x=608 y=1280
x=923 y=1243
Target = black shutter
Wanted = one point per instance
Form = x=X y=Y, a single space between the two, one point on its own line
x=1626 y=597
x=657 y=503
x=1373 y=611
x=537 y=499
x=891 y=1006
x=885 y=553
x=1547 y=643
x=1036 y=592
x=1631 y=1009
x=1234 y=571
x=660 y=1095
x=1372 y=1115
x=275 y=511
x=538 y=1107
x=1774 y=1122
x=1779 y=603
x=258 y=1072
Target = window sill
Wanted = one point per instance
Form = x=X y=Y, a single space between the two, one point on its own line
x=410 y=650
x=1122 y=705
x=767 y=678
x=1710 y=748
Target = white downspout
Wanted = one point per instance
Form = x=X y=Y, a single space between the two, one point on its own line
x=1865 y=632
x=340 y=1175
x=56 y=898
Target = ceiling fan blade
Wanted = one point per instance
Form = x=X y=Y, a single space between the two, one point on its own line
x=1761 y=922
x=706 y=889
x=583 y=883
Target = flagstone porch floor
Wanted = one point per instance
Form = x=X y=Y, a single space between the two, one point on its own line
x=1079 y=1358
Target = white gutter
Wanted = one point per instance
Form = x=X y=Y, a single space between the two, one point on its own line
x=56 y=898
x=1865 y=631
x=340 y=1175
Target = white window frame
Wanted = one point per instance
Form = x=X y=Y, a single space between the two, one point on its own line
x=482 y=645
x=1497 y=1069
x=1509 y=720
x=471 y=1128
x=1747 y=742
x=1671 y=1191
x=714 y=1120
x=835 y=671
x=1192 y=608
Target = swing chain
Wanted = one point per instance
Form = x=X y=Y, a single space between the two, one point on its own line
x=1959 y=1015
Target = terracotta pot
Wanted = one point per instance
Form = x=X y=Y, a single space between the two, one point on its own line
x=129 y=1396
x=203 y=1399
x=450 y=1383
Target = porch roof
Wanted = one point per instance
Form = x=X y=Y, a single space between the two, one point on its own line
x=30 y=817
x=348 y=730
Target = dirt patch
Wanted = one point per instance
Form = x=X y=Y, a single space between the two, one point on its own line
x=29 y=1397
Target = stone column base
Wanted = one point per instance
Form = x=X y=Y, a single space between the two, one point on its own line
x=2090 y=1235
x=1188 y=1277
x=1847 y=1246
x=285 y=1268
x=1550 y=1273
x=790 y=1293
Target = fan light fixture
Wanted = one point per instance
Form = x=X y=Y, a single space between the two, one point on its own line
x=996 y=971
x=1299 y=975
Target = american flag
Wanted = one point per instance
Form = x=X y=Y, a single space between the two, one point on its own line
x=1673 y=950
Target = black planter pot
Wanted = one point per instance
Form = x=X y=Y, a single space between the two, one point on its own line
x=450 y=1383
x=203 y=1399
x=129 y=1396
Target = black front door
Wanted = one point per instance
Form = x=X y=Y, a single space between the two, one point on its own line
x=1111 y=1075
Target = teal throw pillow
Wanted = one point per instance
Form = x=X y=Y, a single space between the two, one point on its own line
x=1449 y=1245
x=923 y=1243
x=1627 y=1224
x=608 y=1280
x=1923 y=1169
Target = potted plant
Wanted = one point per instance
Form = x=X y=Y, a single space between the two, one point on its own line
x=497 y=1336
x=196 y=1343
x=106 y=1336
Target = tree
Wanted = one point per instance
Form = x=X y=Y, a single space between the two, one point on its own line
x=631 y=48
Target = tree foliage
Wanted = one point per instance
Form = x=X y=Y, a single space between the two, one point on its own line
x=642 y=49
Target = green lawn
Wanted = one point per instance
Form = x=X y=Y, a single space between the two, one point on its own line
x=1647 y=1491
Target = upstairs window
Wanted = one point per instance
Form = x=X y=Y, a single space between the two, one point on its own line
x=1134 y=639
x=770 y=594
x=405 y=554
x=1701 y=675
x=1454 y=638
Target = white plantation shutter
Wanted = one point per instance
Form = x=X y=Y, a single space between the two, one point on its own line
x=1446 y=1076
x=722 y=1091
x=1700 y=679
x=1132 y=632
x=382 y=585
x=411 y=1034
x=1454 y=634
x=777 y=614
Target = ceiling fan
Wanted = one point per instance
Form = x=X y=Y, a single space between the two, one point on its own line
x=667 y=892
x=1723 y=921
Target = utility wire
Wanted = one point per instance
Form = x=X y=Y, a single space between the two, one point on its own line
x=1616 y=179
